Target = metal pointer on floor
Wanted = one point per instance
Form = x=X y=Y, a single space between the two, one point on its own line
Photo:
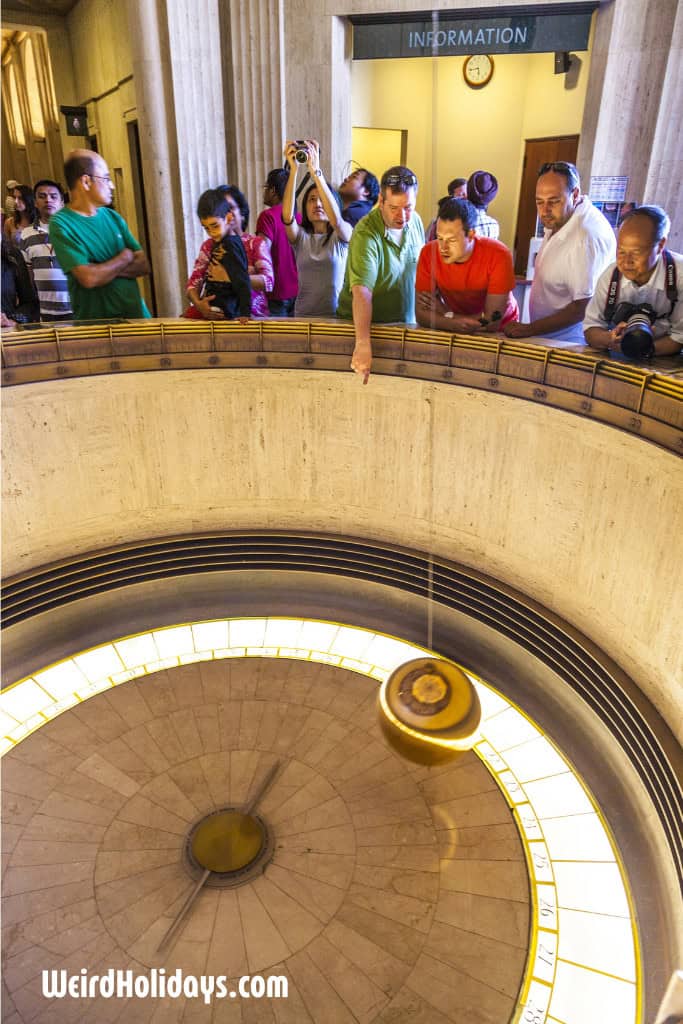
x=249 y=808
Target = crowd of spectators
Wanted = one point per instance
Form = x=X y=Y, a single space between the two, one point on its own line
x=358 y=252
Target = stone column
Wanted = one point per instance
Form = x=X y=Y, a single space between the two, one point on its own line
x=290 y=69
x=318 y=82
x=663 y=185
x=152 y=77
x=195 y=43
x=629 y=66
x=256 y=78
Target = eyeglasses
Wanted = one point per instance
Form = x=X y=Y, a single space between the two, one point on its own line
x=102 y=177
x=407 y=180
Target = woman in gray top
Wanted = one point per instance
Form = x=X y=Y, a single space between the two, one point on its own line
x=321 y=240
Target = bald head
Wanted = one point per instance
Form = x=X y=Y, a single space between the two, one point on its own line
x=640 y=241
x=88 y=180
x=79 y=162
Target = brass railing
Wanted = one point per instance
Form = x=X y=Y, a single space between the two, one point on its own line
x=647 y=401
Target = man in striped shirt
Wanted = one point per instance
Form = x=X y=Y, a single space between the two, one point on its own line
x=48 y=277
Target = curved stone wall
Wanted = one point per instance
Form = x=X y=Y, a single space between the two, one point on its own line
x=578 y=515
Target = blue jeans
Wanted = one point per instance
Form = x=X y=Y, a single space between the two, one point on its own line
x=281 y=307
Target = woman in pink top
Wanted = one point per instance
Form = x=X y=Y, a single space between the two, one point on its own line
x=258 y=259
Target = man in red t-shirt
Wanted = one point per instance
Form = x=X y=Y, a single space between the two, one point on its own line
x=464 y=283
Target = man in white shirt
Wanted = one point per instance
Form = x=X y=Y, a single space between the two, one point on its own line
x=577 y=246
x=645 y=274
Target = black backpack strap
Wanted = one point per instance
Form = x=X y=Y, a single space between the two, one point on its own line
x=612 y=295
x=671 y=286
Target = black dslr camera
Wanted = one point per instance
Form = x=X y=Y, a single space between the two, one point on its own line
x=637 y=341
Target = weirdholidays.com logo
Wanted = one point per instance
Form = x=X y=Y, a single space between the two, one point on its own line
x=157 y=984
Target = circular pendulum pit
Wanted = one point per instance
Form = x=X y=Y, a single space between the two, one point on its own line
x=235 y=847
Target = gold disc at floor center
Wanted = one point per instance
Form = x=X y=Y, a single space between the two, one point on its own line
x=429 y=711
x=227 y=841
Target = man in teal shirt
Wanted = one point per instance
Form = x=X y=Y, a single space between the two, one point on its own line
x=94 y=247
x=379 y=285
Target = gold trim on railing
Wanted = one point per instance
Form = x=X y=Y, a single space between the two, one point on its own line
x=642 y=400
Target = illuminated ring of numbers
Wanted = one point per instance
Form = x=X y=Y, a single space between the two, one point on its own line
x=584 y=959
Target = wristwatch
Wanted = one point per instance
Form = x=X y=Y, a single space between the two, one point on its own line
x=318 y=173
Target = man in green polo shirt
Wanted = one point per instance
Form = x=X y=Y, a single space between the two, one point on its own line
x=94 y=247
x=379 y=284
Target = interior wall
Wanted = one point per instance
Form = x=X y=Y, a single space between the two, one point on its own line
x=544 y=501
x=454 y=130
x=61 y=63
x=103 y=70
x=90 y=57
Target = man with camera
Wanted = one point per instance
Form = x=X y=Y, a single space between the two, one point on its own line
x=379 y=285
x=637 y=307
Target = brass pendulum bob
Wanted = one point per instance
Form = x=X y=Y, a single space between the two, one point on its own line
x=429 y=711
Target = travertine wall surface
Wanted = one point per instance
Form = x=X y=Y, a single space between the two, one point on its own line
x=577 y=515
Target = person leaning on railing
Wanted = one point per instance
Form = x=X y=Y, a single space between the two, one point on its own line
x=464 y=283
x=379 y=285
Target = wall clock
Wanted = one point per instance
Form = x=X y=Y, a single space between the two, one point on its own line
x=478 y=70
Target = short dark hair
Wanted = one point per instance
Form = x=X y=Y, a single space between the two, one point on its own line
x=277 y=180
x=564 y=168
x=659 y=218
x=458 y=209
x=212 y=203
x=51 y=183
x=456 y=183
x=370 y=184
x=398 y=179
x=240 y=199
x=75 y=167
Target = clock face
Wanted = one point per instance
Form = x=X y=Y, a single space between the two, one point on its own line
x=478 y=70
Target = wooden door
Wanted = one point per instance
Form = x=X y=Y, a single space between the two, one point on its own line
x=537 y=152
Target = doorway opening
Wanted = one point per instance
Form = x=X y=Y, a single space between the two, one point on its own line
x=146 y=283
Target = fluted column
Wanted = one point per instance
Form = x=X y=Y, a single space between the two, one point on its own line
x=630 y=61
x=663 y=184
x=198 y=108
x=291 y=78
x=152 y=75
x=257 y=114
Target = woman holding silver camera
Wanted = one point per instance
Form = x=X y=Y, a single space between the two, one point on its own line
x=320 y=242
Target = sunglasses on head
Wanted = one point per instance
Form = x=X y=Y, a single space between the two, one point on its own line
x=407 y=180
x=559 y=166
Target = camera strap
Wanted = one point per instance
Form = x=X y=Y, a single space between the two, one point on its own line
x=671 y=287
x=612 y=295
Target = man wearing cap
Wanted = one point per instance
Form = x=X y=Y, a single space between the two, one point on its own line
x=482 y=189
x=379 y=283
x=577 y=245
